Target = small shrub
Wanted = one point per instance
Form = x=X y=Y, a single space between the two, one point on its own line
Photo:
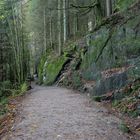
x=23 y=88
x=76 y=80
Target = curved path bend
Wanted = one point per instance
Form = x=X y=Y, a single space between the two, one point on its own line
x=53 y=113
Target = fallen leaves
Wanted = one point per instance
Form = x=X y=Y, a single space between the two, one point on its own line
x=5 y=122
x=8 y=119
x=110 y=72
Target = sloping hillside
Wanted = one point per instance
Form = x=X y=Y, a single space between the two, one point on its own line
x=105 y=63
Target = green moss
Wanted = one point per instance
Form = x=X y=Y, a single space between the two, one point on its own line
x=87 y=75
x=95 y=48
x=133 y=46
x=99 y=43
x=53 y=69
x=69 y=49
x=40 y=68
x=134 y=22
x=124 y=4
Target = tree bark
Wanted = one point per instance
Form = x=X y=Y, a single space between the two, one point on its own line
x=59 y=28
x=51 y=37
x=108 y=7
x=65 y=20
x=45 y=32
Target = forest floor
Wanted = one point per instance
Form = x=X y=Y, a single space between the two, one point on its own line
x=54 y=113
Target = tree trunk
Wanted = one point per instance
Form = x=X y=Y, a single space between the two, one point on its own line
x=65 y=20
x=17 y=45
x=45 y=33
x=59 y=28
x=51 y=37
x=108 y=7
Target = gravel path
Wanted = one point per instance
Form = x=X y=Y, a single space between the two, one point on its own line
x=53 y=113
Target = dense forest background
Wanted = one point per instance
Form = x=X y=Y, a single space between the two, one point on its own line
x=29 y=29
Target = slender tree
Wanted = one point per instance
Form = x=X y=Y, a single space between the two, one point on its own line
x=59 y=28
x=108 y=7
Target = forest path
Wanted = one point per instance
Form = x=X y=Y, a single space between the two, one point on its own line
x=53 y=113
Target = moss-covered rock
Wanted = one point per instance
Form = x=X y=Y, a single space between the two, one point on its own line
x=53 y=69
x=40 y=68
x=109 y=56
x=124 y=4
x=114 y=45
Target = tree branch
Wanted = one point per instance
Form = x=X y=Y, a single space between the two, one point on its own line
x=84 y=7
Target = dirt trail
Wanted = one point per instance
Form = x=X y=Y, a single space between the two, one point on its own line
x=53 y=113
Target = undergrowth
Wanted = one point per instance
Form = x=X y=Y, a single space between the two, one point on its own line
x=7 y=90
x=130 y=102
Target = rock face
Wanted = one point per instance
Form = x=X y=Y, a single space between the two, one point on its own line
x=113 y=56
x=106 y=59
